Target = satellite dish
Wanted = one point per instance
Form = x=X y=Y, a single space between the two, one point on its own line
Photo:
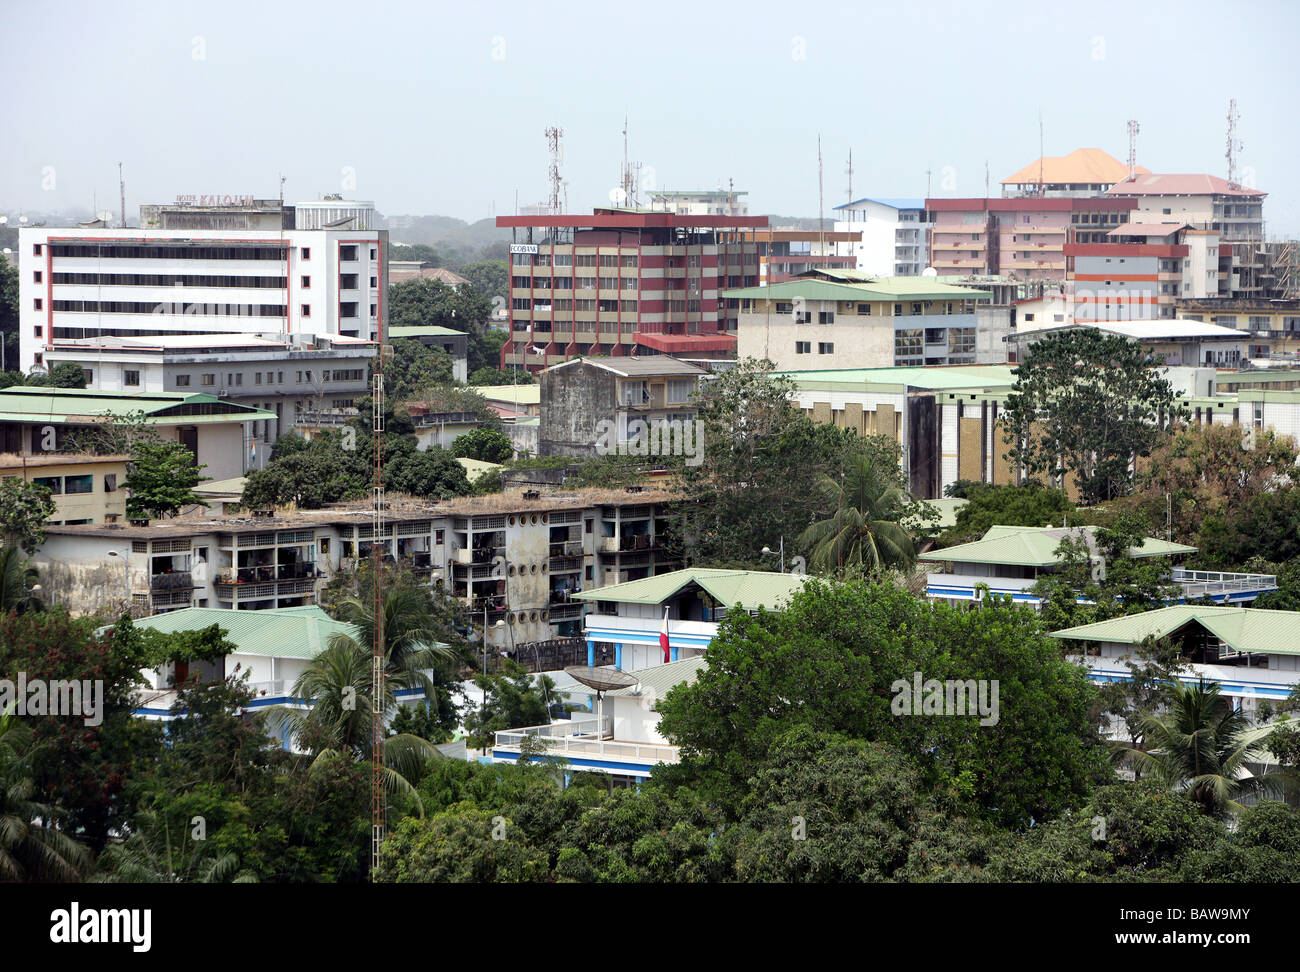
x=602 y=680
x=929 y=272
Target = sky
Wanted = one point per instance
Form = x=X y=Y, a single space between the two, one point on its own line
x=441 y=108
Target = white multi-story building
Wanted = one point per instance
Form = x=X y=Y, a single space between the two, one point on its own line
x=700 y=202
x=895 y=235
x=80 y=283
x=331 y=211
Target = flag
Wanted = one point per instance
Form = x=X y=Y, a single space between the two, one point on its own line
x=663 y=635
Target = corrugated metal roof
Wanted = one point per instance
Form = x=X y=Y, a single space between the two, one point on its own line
x=1036 y=547
x=302 y=632
x=1243 y=629
x=657 y=364
x=422 y=330
x=58 y=405
x=878 y=288
x=1153 y=330
x=891 y=202
x=751 y=589
x=935 y=378
x=1195 y=184
x=519 y=394
x=657 y=680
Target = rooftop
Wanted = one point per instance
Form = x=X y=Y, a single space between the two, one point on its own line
x=1147 y=229
x=1085 y=166
x=302 y=632
x=978 y=377
x=1149 y=184
x=891 y=202
x=658 y=680
x=751 y=589
x=1152 y=330
x=854 y=285
x=22 y=403
x=1242 y=629
x=1036 y=547
x=422 y=330
x=530 y=394
x=9 y=460
x=629 y=367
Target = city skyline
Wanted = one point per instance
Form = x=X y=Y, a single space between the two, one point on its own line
x=406 y=109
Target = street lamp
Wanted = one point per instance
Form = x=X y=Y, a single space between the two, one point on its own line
x=769 y=552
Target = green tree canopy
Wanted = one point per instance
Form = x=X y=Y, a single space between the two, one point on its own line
x=24 y=508
x=160 y=479
x=1087 y=403
x=488 y=445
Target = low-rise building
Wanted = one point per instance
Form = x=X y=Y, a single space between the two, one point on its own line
x=455 y=343
x=1187 y=343
x=601 y=406
x=1009 y=560
x=35 y=420
x=85 y=488
x=1253 y=654
x=844 y=319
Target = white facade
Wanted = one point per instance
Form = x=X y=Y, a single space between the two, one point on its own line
x=90 y=283
x=895 y=236
x=707 y=202
x=322 y=213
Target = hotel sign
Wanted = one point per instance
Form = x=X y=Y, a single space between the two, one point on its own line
x=190 y=200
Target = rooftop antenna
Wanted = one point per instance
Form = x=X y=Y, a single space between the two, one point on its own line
x=121 y=184
x=928 y=173
x=849 y=173
x=731 y=197
x=821 y=210
x=986 y=179
x=1132 y=148
x=1040 y=152
x=1234 y=146
x=553 y=136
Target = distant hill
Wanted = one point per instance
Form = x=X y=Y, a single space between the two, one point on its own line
x=446 y=232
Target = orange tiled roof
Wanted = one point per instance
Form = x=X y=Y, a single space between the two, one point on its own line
x=1086 y=165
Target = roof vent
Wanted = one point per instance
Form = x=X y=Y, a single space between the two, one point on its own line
x=532 y=494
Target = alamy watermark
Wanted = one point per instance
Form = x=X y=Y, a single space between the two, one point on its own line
x=53 y=697
x=954 y=697
x=655 y=437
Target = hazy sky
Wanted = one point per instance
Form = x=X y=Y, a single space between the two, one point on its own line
x=441 y=107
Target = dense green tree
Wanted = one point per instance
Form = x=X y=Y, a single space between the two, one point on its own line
x=423 y=302
x=498 y=376
x=489 y=445
x=24 y=508
x=432 y=474
x=512 y=700
x=1086 y=403
x=491 y=278
x=484 y=349
x=9 y=317
x=833 y=660
x=160 y=479
x=32 y=845
x=460 y=846
x=427 y=255
x=160 y=852
x=1266 y=525
x=864 y=531
x=413 y=367
x=1030 y=504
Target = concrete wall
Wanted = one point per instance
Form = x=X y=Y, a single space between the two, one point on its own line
x=574 y=400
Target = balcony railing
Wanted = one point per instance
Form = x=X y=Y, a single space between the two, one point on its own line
x=588 y=736
x=171 y=581
x=1212 y=583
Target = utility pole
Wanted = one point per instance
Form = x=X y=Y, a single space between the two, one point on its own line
x=849 y=173
x=377 y=654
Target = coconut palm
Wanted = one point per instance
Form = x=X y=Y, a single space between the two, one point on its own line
x=154 y=854
x=411 y=645
x=31 y=846
x=1201 y=746
x=864 y=530
x=17 y=577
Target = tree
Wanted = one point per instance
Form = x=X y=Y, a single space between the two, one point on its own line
x=1154 y=668
x=833 y=660
x=488 y=445
x=1200 y=748
x=1212 y=471
x=32 y=846
x=485 y=349
x=160 y=852
x=432 y=473
x=512 y=700
x=17 y=578
x=491 y=278
x=161 y=478
x=423 y=302
x=312 y=474
x=1029 y=504
x=1266 y=526
x=24 y=508
x=497 y=376
x=415 y=366
x=9 y=315
x=864 y=530
x=1086 y=404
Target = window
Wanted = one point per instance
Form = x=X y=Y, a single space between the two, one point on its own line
x=374 y=254
x=36 y=249
x=306 y=310
x=306 y=252
x=825 y=348
x=1029 y=317
x=348 y=281
x=864 y=309
x=110 y=482
x=37 y=304
x=209 y=379
x=826 y=317
x=239 y=378
x=131 y=378
x=36 y=276
x=802 y=347
x=348 y=309
x=182 y=381
x=306 y=283
x=347 y=252
x=79 y=484
x=88 y=376
x=257 y=378
x=38 y=330
x=916 y=308
x=53 y=483
x=898 y=310
x=374 y=281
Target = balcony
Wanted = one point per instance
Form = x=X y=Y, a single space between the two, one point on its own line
x=171 y=581
x=569 y=548
x=1223 y=587
x=586 y=737
x=963 y=586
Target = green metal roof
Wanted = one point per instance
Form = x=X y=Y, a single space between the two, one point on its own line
x=879 y=288
x=998 y=377
x=523 y=394
x=1036 y=547
x=72 y=405
x=657 y=680
x=751 y=589
x=301 y=632
x=1242 y=629
x=946 y=507
x=422 y=330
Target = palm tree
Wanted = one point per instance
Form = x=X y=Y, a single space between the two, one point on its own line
x=410 y=635
x=31 y=847
x=1201 y=746
x=152 y=854
x=17 y=578
x=864 y=530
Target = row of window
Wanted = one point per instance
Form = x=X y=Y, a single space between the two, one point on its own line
x=805 y=347
x=60 y=485
x=169 y=280
x=154 y=307
x=178 y=252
